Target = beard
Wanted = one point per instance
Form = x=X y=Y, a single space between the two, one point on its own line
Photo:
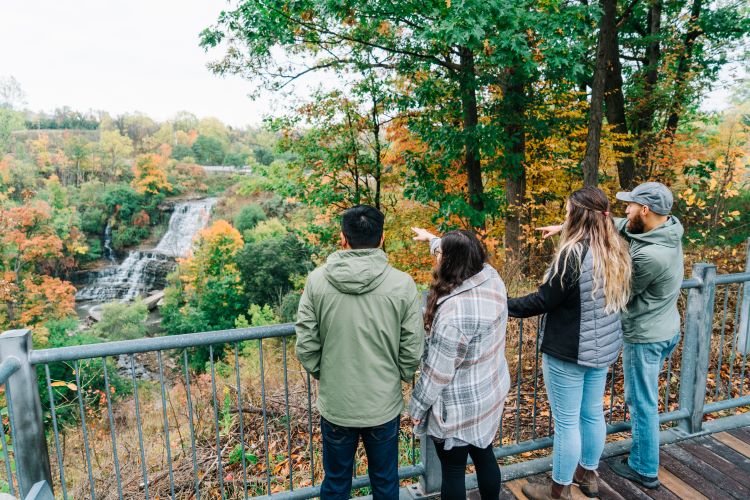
x=636 y=225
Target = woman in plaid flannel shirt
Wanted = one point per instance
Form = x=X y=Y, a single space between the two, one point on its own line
x=458 y=400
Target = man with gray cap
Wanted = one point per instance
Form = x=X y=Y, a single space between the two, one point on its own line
x=651 y=324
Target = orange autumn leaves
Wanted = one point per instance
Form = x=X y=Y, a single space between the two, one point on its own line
x=29 y=249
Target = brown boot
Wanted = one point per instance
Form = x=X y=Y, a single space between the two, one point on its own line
x=587 y=481
x=547 y=491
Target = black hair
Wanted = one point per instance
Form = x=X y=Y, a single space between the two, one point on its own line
x=362 y=226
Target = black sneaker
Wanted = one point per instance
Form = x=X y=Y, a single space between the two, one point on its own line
x=622 y=468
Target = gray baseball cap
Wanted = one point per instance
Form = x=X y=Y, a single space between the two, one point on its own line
x=655 y=195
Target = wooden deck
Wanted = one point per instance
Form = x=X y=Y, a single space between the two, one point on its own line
x=713 y=467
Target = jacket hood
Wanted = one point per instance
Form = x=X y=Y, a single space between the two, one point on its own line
x=356 y=271
x=668 y=234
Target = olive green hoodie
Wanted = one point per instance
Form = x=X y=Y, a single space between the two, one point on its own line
x=652 y=314
x=359 y=331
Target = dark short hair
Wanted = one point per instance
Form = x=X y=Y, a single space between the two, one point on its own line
x=362 y=226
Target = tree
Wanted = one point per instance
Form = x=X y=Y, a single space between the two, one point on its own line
x=150 y=177
x=12 y=95
x=249 y=217
x=114 y=148
x=208 y=150
x=10 y=121
x=268 y=267
x=206 y=291
x=444 y=59
x=30 y=250
x=607 y=32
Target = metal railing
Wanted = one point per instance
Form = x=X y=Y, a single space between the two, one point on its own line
x=219 y=439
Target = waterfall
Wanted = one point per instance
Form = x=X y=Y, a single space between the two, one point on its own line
x=109 y=253
x=146 y=270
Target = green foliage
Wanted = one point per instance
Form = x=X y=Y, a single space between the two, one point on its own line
x=265 y=230
x=268 y=267
x=65 y=390
x=10 y=121
x=94 y=251
x=236 y=159
x=128 y=236
x=182 y=152
x=289 y=306
x=235 y=456
x=122 y=321
x=208 y=150
x=249 y=217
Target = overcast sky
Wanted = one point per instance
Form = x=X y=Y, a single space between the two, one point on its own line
x=135 y=55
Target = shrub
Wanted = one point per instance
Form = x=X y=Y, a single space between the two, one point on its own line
x=269 y=266
x=122 y=321
x=266 y=230
x=249 y=217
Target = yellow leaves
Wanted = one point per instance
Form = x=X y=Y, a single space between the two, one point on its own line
x=69 y=385
x=385 y=28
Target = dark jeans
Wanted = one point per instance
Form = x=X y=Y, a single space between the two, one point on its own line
x=453 y=465
x=339 y=448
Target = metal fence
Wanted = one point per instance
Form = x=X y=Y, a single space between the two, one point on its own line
x=245 y=424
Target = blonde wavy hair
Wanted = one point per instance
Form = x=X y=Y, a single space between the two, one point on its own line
x=589 y=219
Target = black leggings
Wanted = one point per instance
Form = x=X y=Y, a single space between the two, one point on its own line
x=453 y=465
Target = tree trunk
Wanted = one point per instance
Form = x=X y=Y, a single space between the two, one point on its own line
x=378 y=150
x=644 y=114
x=607 y=30
x=515 y=153
x=472 y=165
x=614 y=101
x=683 y=67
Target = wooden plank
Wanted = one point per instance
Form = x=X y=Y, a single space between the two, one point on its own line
x=689 y=476
x=506 y=494
x=733 y=442
x=657 y=494
x=621 y=485
x=742 y=434
x=606 y=492
x=705 y=473
x=515 y=488
x=678 y=486
x=715 y=459
x=726 y=452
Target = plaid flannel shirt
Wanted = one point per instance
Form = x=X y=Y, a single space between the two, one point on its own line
x=464 y=375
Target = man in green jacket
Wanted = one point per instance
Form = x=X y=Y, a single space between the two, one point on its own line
x=651 y=324
x=360 y=333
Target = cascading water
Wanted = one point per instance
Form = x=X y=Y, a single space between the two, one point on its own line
x=146 y=270
x=109 y=253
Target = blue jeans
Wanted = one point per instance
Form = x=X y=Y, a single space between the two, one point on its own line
x=642 y=364
x=339 y=448
x=575 y=395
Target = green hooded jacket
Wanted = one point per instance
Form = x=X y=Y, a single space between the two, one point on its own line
x=652 y=314
x=359 y=331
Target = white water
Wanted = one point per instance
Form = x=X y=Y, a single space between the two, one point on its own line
x=145 y=270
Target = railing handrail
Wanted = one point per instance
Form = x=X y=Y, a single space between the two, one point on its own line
x=166 y=342
x=161 y=343
x=8 y=367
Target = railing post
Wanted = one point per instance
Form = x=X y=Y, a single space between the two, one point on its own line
x=743 y=339
x=432 y=478
x=697 y=346
x=25 y=410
